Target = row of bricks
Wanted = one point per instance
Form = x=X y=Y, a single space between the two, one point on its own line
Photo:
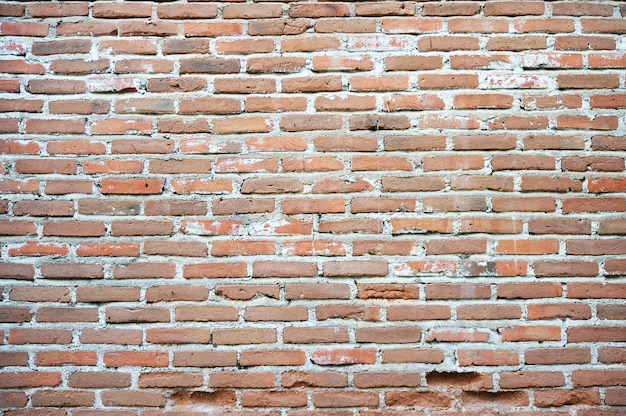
x=285 y=64
x=466 y=357
x=397 y=334
x=102 y=9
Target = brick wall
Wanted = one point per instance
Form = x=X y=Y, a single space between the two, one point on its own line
x=310 y=208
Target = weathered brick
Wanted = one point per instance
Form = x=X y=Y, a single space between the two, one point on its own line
x=375 y=164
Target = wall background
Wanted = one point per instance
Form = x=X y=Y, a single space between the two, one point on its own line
x=312 y=208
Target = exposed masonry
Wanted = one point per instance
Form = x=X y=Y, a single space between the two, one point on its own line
x=302 y=208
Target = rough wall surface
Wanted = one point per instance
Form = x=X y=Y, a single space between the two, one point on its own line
x=308 y=208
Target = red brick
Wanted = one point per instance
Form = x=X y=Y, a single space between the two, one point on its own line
x=275 y=104
x=596 y=290
x=175 y=207
x=76 y=147
x=432 y=399
x=190 y=11
x=246 y=292
x=14 y=359
x=180 y=126
x=343 y=356
x=8 y=314
x=144 y=270
x=567 y=397
x=116 y=314
x=615 y=397
x=316 y=335
x=318 y=10
x=212 y=29
x=33 y=248
x=314 y=164
x=108 y=249
x=501 y=399
x=526 y=379
x=16 y=379
x=13 y=399
x=172 y=293
x=128 y=228
x=591 y=9
x=595 y=334
x=112 y=166
x=17 y=228
x=583 y=43
x=388 y=335
x=208 y=359
x=345 y=399
x=487 y=357
x=546 y=356
x=271 y=186
x=72 y=271
x=467 y=381
x=551 y=311
x=448 y=43
x=241 y=380
x=549 y=25
x=453 y=335
x=606 y=60
x=14 y=10
x=39 y=336
x=274 y=357
x=269 y=27
x=516 y=43
x=615 y=312
x=133 y=398
x=135 y=358
x=568 y=268
x=314 y=379
x=488 y=312
x=283 y=269
x=218 y=398
x=317 y=291
x=274 y=399
x=524 y=204
x=38 y=293
x=341 y=63
x=19 y=66
x=548 y=246
x=122 y=126
x=529 y=290
x=111 y=336
x=531 y=333
x=233 y=248
x=603 y=26
x=460 y=246
x=63 y=398
x=276 y=313
x=387 y=248
x=56 y=314
x=413 y=355
x=178 y=335
x=170 y=379
x=355 y=268
x=8 y=28
x=243 y=336
x=413 y=313
x=293 y=123
x=457 y=291
x=180 y=248
x=608 y=377
x=206 y=313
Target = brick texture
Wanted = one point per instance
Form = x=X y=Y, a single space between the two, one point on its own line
x=294 y=208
